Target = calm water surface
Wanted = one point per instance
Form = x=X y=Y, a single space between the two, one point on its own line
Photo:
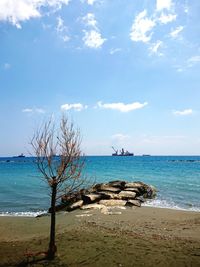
x=23 y=192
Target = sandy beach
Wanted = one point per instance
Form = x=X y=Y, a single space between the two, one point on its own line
x=137 y=237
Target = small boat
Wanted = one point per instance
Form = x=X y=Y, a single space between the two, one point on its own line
x=20 y=156
x=146 y=155
x=122 y=153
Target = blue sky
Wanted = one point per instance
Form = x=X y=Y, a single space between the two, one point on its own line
x=126 y=71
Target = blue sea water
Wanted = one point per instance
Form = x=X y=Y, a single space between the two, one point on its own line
x=24 y=192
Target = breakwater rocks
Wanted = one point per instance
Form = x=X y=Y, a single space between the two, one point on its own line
x=105 y=195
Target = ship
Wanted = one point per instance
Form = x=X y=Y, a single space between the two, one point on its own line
x=121 y=153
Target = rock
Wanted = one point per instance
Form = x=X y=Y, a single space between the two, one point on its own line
x=42 y=215
x=109 y=195
x=71 y=198
x=59 y=207
x=140 y=198
x=150 y=192
x=75 y=205
x=134 y=184
x=133 y=189
x=119 y=184
x=92 y=206
x=112 y=202
x=133 y=202
x=89 y=198
x=112 y=194
x=127 y=194
x=106 y=187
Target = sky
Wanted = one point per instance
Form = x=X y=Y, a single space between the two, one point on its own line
x=127 y=72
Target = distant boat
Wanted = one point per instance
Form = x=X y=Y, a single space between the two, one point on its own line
x=20 y=156
x=122 y=153
x=146 y=155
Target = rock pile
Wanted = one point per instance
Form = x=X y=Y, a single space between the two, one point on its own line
x=111 y=194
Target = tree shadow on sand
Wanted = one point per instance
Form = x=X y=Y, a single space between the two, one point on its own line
x=40 y=262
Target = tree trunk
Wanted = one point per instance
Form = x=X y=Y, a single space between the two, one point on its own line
x=52 y=246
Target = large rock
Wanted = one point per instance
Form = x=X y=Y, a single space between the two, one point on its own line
x=75 y=205
x=119 y=184
x=134 y=184
x=108 y=195
x=112 y=202
x=127 y=195
x=133 y=189
x=89 y=198
x=150 y=191
x=133 y=202
x=106 y=187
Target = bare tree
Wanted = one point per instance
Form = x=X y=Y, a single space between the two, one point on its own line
x=61 y=172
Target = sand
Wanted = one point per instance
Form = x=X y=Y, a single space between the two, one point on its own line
x=137 y=237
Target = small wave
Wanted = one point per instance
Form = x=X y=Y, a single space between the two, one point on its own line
x=22 y=214
x=185 y=160
x=158 y=203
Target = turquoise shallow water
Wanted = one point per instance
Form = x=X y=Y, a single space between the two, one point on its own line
x=23 y=192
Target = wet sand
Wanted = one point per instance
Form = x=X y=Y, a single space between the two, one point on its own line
x=136 y=237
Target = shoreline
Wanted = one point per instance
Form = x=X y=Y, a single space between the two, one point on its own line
x=28 y=214
x=145 y=236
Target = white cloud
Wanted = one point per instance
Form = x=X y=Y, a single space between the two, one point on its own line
x=90 y=20
x=166 y=18
x=93 y=39
x=175 y=33
x=89 y=2
x=75 y=106
x=62 y=29
x=154 y=48
x=183 y=112
x=33 y=110
x=163 y=4
x=16 y=11
x=121 y=106
x=141 y=27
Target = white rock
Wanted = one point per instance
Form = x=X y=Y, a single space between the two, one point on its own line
x=112 y=202
x=127 y=194
x=76 y=205
x=92 y=206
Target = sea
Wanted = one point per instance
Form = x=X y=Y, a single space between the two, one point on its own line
x=23 y=191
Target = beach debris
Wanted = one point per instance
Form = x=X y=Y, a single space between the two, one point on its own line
x=92 y=206
x=109 y=211
x=105 y=196
x=84 y=215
